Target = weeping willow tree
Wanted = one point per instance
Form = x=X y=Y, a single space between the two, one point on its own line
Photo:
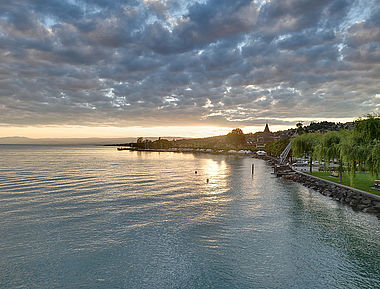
x=361 y=147
x=373 y=160
x=368 y=131
x=329 y=148
x=355 y=149
x=368 y=128
x=305 y=145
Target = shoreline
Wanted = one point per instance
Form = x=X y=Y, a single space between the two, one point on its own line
x=190 y=150
x=358 y=200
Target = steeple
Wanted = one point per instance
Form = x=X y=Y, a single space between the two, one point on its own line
x=266 y=128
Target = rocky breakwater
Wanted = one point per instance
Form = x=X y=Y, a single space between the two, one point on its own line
x=357 y=199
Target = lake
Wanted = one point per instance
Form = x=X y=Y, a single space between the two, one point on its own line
x=95 y=217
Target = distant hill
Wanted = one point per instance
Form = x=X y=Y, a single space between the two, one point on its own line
x=72 y=141
x=65 y=141
x=321 y=127
x=325 y=126
x=214 y=141
x=220 y=142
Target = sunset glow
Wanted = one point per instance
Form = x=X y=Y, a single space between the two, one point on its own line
x=72 y=69
x=51 y=131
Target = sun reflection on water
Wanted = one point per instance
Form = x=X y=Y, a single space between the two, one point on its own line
x=216 y=172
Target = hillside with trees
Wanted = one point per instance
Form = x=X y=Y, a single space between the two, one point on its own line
x=233 y=140
x=237 y=140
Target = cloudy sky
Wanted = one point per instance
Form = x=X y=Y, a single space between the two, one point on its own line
x=152 y=67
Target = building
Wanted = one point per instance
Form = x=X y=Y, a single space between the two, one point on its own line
x=264 y=137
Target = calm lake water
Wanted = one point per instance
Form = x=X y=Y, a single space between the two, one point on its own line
x=94 y=217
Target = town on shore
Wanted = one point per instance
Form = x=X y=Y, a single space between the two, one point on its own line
x=236 y=141
x=349 y=152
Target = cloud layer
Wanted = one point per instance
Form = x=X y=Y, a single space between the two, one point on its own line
x=217 y=62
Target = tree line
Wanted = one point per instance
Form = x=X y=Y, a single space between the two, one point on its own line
x=352 y=149
x=233 y=140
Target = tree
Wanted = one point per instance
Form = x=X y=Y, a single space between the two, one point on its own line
x=276 y=147
x=368 y=128
x=305 y=145
x=161 y=144
x=359 y=147
x=140 y=142
x=236 y=137
x=373 y=160
x=299 y=126
x=329 y=149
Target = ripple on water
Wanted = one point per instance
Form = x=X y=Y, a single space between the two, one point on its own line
x=94 y=217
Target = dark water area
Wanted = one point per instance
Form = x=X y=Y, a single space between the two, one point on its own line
x=94 y=217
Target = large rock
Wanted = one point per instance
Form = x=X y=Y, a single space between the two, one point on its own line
x=354 y=203
x=362 y=207
x=355 y=196
x=366 y=202
x=371 y=210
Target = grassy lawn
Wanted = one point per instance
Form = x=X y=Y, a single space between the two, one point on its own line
x=362 y=181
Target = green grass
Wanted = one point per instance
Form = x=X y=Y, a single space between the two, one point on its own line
x=362 y=181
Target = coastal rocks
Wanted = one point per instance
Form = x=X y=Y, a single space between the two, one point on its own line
x=370 y=210
x=351 y=197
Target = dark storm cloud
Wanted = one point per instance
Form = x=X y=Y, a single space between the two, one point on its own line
x=155 y=62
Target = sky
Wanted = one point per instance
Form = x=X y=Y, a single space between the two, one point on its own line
x=99 y=68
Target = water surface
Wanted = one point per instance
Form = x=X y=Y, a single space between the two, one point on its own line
x=94 y=217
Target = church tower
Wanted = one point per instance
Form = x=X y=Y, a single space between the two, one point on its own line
x=266 y=128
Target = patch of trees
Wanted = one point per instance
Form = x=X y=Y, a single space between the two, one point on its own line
x=236 y=138
x=233 y=140
x=354 y=149
x=305 y=145
x=216 y=142
x=275 y=148
x=160 y=143
x=323 y=126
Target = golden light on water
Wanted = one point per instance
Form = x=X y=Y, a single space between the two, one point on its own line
x=217 y=173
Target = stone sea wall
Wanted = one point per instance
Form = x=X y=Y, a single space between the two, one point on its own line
x=357 y=199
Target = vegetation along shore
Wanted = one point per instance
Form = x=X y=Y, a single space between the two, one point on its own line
x=343 y=159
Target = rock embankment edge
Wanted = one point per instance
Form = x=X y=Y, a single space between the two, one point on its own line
x=357 y=199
